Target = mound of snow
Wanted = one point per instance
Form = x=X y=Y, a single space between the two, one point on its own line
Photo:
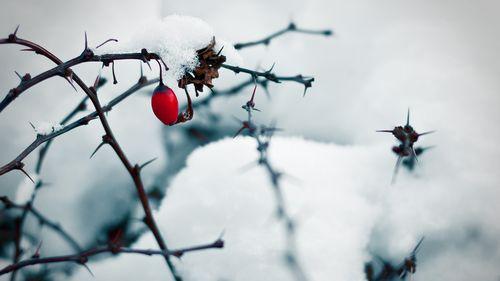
x=345 y=208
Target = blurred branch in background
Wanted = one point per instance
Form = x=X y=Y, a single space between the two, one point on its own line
x=83 y=257
x=263 y=135
x=292 y=27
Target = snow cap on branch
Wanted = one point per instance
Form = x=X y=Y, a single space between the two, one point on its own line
x=176 y=39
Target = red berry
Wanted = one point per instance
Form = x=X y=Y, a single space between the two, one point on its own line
x=165 y=105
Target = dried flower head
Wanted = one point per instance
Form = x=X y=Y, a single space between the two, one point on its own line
x=209 y=62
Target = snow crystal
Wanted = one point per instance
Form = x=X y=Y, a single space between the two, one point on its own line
x=45 y=128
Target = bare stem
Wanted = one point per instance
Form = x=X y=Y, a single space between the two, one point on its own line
x=290 y=28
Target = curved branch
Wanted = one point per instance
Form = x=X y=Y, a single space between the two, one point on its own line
x=290 y=28
x=133 y=170
x=63 y=69
x=83 y=257
x=40 y=139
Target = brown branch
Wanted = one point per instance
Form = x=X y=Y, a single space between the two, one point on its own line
x=290 y=28
x=63 y=69
x=83 y=257
x=134 y=170
x=206 y=100
x=40 y=139
x=269 y=75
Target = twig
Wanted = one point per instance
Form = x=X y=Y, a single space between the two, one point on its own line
x=269 y=75
x=290 y=28
x=83 y=257
x=206 y=100
x=133 y=170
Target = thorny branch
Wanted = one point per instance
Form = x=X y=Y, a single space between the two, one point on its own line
x=205 y=101
x=292 y=27
x=83 y=257
x=269 y=75
x=63 y=69
x=263 y=135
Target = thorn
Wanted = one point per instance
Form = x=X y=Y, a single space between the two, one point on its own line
x=33 y=126
x=25 y=173
x=37 y=251
x=418 y=245
x=384 y=131
x=305 y=90
x=426 y=133
x=109 y=40
x=408 y=117
x=147 y=163
x=272 y=67
x=147 y=62
x=86 y=41
x=15 y=31
x=18 y=75
x=97 y=80
x=220 y=51
x=95 y=151
x=113 y=70
x=88 y=269
x=239 y=131
x=71 y=83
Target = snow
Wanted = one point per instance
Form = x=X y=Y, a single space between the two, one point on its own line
x=433 y=56
x=176 y=38
x=345 y=208
x=44 y=128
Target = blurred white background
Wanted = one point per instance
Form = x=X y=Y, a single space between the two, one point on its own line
x=440 y=58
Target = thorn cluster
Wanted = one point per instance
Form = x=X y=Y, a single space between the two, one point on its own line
x=407 y=137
